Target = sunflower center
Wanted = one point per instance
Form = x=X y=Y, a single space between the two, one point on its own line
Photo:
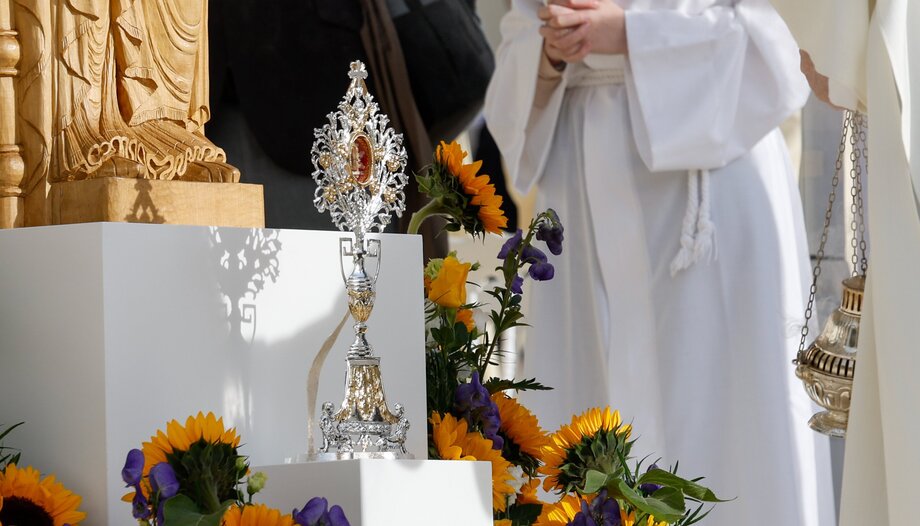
x=18 y=511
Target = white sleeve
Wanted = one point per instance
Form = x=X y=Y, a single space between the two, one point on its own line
x=837 y=43
x=705 y=87
x=522 y=130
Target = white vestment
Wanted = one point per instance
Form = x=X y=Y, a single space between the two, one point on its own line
x=872 y=58
x=700 y=361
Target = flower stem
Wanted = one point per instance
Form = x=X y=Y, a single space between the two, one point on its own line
x=434 y=207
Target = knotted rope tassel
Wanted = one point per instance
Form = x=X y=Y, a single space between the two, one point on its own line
x=697 y=236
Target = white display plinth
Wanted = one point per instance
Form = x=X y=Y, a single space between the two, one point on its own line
x=109 y=330
x=388 y=492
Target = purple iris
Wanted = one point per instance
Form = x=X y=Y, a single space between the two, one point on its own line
x=139 y=506
x=164 y=484
x=473 y=402
x=551 y=232
x=601 y=512
x=312 y=512
x=517 y=285
x=511 y=245
x=649 y=488
x=316 y=513
x=134 y=468
x=540 y=269
x=163 y=480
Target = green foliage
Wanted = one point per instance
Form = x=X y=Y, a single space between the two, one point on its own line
x=667 y=503
x=689 y=488
x=9 y=455
x=521 y=514
x=495 y=385
x=512 y=453
x=607 y=453
x=208 y=474
x=182 y=511
x=449 y=201
x=452 y=351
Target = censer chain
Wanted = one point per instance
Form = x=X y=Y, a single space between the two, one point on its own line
x=828 y=214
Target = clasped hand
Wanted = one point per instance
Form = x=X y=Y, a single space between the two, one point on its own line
x=574 y=28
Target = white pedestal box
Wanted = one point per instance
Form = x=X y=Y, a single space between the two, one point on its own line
x=109 y=330
x=388 y=492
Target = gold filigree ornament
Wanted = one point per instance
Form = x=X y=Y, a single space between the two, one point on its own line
x=359 y=168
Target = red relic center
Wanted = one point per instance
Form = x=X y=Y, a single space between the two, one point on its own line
x=362 y=158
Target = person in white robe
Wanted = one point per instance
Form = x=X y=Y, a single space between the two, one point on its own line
x=865 y=55
x=680 y=293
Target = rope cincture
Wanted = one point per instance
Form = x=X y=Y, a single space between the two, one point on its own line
x=697 y=236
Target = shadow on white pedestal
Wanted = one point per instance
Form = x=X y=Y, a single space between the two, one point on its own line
x=109 y=330
x=387 y=492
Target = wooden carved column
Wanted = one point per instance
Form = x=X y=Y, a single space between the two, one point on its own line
x=12 y=168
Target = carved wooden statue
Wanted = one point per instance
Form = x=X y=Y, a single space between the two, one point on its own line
x=103 y=119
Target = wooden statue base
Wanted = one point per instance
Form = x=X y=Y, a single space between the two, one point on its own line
x=118 y=199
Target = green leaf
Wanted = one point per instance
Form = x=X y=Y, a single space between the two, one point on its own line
x=673 y=497
x=10 y=429
x=495 y=385
x=650 y=505
x=181 y=511
x=594 y=481
x=690 y=489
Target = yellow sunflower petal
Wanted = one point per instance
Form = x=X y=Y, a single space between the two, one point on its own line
x=255 y=515
x=450 y=434
x=520 y=425
x=559 y=513
x=59 y=503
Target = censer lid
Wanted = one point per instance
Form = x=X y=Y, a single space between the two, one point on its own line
x=853 y=290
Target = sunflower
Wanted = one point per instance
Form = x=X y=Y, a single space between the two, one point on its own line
x=178 y=438
x=27 y=499
x=594 y=439
x=255 y=515
x=203 y=454
x=453 y=442
x=560 y=513
x=469 y=199
x=520 y=426
x=502 y=522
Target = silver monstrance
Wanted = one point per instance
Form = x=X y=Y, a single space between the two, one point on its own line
x=359 y=165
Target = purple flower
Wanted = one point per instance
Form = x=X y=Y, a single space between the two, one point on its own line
x=473 y=402
x=517 y=285
x=163 y=480
x=312 y=512
x=551 y=231
x=315 y=513
x=337 y=517
x=511 y=245
x=542 y=271
x=139 y=506
x=164 y=483
x=601 y=512
x=648 y=488
x=134 y=468
x=532 y=255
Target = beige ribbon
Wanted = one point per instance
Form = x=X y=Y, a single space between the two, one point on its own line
x=313 y=381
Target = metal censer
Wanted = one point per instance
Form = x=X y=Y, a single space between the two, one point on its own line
x=359 y=165
x=827 y=366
